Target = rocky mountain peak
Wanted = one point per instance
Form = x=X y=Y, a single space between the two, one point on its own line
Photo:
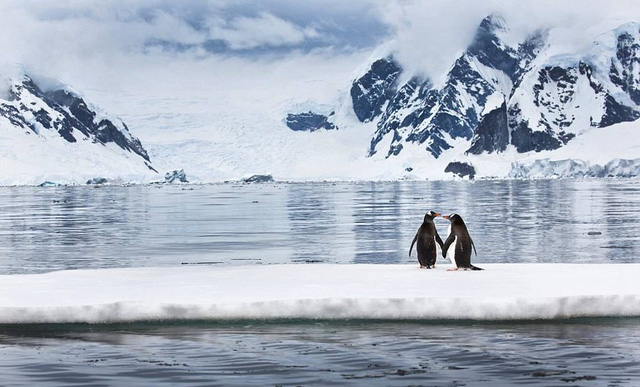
x=64 y=112
x=374 y=88
x=491 y=50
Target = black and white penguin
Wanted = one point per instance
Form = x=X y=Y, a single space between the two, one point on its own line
x=428 y=242
x=458 y=244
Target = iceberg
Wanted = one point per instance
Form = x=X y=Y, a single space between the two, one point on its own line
x=322 y=291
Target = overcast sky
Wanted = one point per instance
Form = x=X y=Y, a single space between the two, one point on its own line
x=51 y=36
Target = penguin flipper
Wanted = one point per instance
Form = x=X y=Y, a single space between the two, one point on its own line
x=439 y=241
x=415 y=238
x=476 y=268
x=474 y=246
x=447 y=243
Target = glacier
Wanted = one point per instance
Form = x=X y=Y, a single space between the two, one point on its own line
x=514 y=291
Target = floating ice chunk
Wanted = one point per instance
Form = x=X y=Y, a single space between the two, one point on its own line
x=322 y=291
x=175 y=176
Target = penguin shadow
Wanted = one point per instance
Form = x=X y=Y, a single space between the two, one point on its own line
x=457 y=246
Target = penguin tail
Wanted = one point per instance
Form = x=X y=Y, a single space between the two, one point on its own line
x=476 y=268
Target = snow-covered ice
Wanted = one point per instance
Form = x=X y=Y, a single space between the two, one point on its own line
x=322 y=291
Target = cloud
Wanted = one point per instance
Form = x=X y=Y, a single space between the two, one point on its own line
x=37 y=34
x=113 y=44
x=430 y=35
x=66 y=37
x=244 y=32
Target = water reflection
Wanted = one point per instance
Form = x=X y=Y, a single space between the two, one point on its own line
x=62 y=224
x=44 y=229
x=377 y=224
x=311 y=212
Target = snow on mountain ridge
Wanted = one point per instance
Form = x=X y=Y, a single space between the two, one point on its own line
x=527 y=95
x=429 y=115
x=575 y=92
x=33 y=119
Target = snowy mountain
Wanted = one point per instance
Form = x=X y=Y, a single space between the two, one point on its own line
x=434 y=116
x=499 y=94
x=508 y=105
x=564 y=96
x=56 y=133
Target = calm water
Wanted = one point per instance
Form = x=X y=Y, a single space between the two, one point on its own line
x=45 y=229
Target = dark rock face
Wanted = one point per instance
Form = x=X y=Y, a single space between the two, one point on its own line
x=627 y=77
x=258 y=179
x=370 y=92
x=419 y=113
x=417 y=96
x=492 y=134
x=66 y=113
x=309 y=122
x=564 y=80
x=616 y=112
x=97 y=181
x=461 y=169
x=490 y=51
x=48 y=184
x=104 y=131
x=527 y=140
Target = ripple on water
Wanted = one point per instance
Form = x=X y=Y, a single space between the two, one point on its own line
x=590 y=352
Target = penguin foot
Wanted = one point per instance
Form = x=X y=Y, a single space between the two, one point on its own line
x=423 y=267
x=454 y=269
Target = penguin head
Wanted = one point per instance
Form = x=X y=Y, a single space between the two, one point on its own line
x=452 y=218
x=430 y=215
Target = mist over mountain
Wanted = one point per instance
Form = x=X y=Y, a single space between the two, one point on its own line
x=496 y=94
x=364 y=90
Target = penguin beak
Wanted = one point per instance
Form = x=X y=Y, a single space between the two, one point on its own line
x=446 y=217
x=435 y=215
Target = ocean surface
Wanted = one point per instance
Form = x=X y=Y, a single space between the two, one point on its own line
x=60 y=228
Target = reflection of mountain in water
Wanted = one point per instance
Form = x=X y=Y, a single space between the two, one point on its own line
x=44 y=229
x=70 y=226
x=377 y=220
x=311 y=212
x=550 y=221
x=619 y=241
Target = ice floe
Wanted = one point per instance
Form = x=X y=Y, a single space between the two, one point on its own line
x=322 y=291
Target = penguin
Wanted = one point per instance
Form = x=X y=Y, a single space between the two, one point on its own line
x=428 y=241
x=458 y=244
